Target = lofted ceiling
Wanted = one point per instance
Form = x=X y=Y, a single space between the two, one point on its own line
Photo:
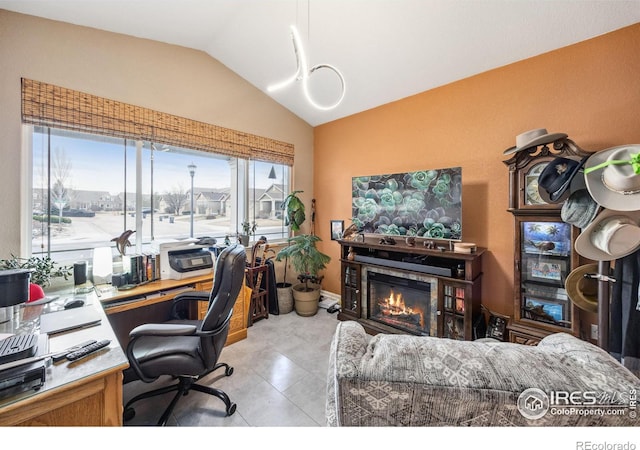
x=385 y=49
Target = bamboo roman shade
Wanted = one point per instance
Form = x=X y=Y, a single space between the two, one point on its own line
x=57 y=107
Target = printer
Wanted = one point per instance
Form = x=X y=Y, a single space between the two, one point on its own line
x=184 y=259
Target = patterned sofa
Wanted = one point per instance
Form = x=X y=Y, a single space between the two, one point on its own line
x=401 y=380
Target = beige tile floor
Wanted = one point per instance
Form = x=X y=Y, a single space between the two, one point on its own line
x=279 y=379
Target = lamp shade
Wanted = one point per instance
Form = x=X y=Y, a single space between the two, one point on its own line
x=14 y=286
x=102 y=265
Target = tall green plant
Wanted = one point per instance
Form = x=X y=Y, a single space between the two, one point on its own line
x=294 y=211
x=294 y=217
x=305 y=257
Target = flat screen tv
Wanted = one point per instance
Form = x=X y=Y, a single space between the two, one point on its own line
x=426 y=203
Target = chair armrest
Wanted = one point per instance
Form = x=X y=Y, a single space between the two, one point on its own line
x=177 y=304
x=162 y=329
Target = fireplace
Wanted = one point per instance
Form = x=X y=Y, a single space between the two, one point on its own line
x=404 y=301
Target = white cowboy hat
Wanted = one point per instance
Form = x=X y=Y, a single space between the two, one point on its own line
x=611 y=235
x=611 y=178
x=533 y=138
x=581 y=290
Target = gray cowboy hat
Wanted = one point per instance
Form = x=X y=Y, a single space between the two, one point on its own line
x=533 y=138
x=611 y=235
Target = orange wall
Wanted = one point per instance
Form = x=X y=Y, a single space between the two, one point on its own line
x=590 y=90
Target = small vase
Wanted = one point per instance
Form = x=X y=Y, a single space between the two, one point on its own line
x=351 y=256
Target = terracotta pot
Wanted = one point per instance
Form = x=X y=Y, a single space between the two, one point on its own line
x=306 y=302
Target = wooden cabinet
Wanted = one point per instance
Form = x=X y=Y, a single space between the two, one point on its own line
x=449 y=281
x=543 y=248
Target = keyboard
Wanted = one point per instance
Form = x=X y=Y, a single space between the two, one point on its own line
x=17 y=347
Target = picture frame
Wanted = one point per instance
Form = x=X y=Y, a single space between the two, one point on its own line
x=337 y=228
x=545 y=310
x=545 y=270
x=497 y=327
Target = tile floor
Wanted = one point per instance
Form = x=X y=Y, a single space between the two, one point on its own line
x=279 y=379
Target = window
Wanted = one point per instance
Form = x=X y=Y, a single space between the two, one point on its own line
x=87 y=189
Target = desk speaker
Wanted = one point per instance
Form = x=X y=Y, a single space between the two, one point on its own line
x=79 y=273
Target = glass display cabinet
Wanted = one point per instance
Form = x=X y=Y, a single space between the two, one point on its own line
x=543 y=251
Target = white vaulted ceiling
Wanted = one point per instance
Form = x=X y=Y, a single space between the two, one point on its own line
x=386 y=49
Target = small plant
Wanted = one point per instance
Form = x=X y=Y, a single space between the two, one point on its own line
x=305 y=257
x=42 y=268
x=249 y=228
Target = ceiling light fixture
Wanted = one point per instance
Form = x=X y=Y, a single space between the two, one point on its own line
x=303 y=73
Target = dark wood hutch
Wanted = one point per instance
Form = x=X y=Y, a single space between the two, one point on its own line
x=541 y=306
x=454 y=277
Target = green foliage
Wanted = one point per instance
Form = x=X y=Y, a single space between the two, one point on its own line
x=294 y=211
x=44 y=218
x=42 y=268
x=305 y=257
x=249 y=228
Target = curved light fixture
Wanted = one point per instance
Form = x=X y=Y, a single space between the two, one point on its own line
x=303 y=73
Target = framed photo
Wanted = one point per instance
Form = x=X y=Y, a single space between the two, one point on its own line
x=337 y=228
x=544 y=310
x=546 y=270
x=497 y=327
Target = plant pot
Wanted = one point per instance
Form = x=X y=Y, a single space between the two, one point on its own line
x=306 y=302
x=285 y=298
x=244 y=240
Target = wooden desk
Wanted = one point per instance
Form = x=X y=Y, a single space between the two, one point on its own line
x=87 y=392
x=150 y=303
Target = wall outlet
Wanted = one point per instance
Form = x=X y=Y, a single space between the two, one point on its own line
x=594 y=331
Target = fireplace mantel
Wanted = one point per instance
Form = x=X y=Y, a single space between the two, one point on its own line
x=456 y=281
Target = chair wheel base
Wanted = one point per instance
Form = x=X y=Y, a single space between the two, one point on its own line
x=231 y=409
x=228 y=371
x=128 y=414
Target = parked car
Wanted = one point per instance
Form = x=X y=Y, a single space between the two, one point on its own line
x=78 y=213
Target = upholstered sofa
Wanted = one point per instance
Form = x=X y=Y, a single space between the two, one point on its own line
x=401 y=380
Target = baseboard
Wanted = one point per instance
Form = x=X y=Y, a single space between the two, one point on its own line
x=328 y=299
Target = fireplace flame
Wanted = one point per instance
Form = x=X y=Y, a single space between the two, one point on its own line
x=394 y=305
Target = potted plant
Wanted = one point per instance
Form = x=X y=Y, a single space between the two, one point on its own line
x=43 y=269
x=294 y=216
x=248 y=228
x=308 y=261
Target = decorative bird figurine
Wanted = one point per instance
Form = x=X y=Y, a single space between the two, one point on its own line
x=122 y=241
x=351 y=232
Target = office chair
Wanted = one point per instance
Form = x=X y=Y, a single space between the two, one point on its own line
x=189 y=349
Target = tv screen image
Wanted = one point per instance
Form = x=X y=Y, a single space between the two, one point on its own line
x=425 y=203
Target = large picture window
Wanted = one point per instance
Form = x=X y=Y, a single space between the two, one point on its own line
x=87 y=189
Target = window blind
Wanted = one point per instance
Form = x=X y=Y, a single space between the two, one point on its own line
x=58 y=107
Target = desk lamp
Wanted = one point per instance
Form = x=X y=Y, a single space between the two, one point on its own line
x=14 y=289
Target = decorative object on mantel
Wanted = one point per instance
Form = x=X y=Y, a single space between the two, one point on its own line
x=464 y=247
x=387 y=240
x=351 y=232
x=122 y=241
x=613 y=177
x=410 y=241
x=532 y=139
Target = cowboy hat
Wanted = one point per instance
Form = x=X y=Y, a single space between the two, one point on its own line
x=533 y=138
x=579 y=209
x=613 y=177
x=611 y=235
x=556 y=178
x=581 y=290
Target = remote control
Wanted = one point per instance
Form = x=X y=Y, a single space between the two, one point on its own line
x=63 y=354
x=84 y=351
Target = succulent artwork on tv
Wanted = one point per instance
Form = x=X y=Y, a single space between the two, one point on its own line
x=425 y=203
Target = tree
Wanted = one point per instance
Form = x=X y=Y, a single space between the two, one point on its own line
x=61 y=193
x=175 y=200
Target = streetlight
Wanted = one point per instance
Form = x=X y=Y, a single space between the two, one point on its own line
x=192 y=172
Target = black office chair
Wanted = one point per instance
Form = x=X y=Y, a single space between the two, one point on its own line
x=189 y=349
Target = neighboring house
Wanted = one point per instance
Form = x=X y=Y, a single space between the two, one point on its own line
x=270 y=201
x=212 y=203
